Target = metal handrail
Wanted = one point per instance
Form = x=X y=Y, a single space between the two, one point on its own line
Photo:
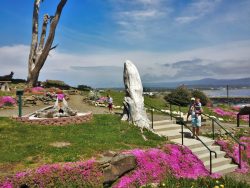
x=228 y=133
x=198 y=138
x=182 y=133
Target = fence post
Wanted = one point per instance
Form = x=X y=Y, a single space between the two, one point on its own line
x=182 y=139
x=239 y=156
x=152 y=117
x=238 y=120
x=213 y=127
x=171 y=111
x=211 y=162
x=19 y=93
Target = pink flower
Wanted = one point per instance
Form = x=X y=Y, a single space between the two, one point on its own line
x=87 y=174
x=6 y=184
x=154 y=165
x=37 y=89
x=60 y=96
x=222 y=113
x=232 y=151
x=7 y=100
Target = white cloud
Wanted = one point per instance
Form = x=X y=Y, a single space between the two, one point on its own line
x=196 y=10
x=137 y=19
x=186 y=19
x=14 y=58
x=93 y=69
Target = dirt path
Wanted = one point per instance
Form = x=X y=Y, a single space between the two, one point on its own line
x=75 y=102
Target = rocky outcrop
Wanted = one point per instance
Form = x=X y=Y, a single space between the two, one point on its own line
x=134 y=110
x=116 y=165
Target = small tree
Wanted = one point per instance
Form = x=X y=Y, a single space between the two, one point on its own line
x=201 y=95
x=84 y=88
x=181 y=95
x=39 y=51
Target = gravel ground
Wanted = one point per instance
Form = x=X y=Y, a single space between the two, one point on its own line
x=75 y=102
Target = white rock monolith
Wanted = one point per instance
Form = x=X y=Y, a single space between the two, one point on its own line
x=134 y=101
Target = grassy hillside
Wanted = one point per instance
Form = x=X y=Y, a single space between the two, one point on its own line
x=25 y=146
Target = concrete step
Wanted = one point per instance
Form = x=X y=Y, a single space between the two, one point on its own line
x=193 y=143
x=164 y=122
x=166 y=127
x=223 y=169
x=170 y=134
x=202 y=150
x=218 y=162
x=206 y=156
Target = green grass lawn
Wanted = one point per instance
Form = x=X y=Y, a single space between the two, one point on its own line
x=118 y=97
x=25 y=146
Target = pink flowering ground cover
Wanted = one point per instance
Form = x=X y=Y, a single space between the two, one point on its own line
x=230 y=114
x=7 y=101
x=71 y=174
x=102 y=99
x=232 y=150
x=154 y=165
x=37 y=89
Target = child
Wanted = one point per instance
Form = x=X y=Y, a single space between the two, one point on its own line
x=110 y=103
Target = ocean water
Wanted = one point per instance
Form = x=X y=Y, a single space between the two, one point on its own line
x=231 y=92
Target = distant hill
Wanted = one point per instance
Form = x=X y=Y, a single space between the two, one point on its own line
x=203 y=83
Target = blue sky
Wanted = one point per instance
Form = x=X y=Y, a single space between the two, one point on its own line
x=168 y=40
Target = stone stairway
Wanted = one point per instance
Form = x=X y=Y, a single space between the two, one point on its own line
x=172 y=131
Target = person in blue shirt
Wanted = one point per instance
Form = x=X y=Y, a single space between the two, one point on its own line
x=196 y=117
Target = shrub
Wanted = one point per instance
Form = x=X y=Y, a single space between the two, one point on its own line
x=181 y=95
x=201 y=95
x=56 y=83
x=94 y=95
x=84 y=88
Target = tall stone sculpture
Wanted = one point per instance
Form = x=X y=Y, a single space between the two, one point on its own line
x=134 y=101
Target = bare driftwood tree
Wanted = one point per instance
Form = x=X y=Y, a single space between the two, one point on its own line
x=39 y=50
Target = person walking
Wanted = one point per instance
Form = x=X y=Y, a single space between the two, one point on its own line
x=196 y=117
x=110 y=103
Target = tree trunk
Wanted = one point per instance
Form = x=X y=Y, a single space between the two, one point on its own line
x=134 y=101
x=39 y=52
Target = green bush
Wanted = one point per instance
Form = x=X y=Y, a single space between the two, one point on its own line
x=201 y=95
x=56 y=83
x=84 y=88
x=181 y=95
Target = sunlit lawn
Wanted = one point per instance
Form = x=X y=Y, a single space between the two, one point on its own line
x=25 y=146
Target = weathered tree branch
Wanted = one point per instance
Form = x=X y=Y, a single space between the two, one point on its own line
x=34 y=36
x=43 y=34
x=39 y=54
x=52 y=48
